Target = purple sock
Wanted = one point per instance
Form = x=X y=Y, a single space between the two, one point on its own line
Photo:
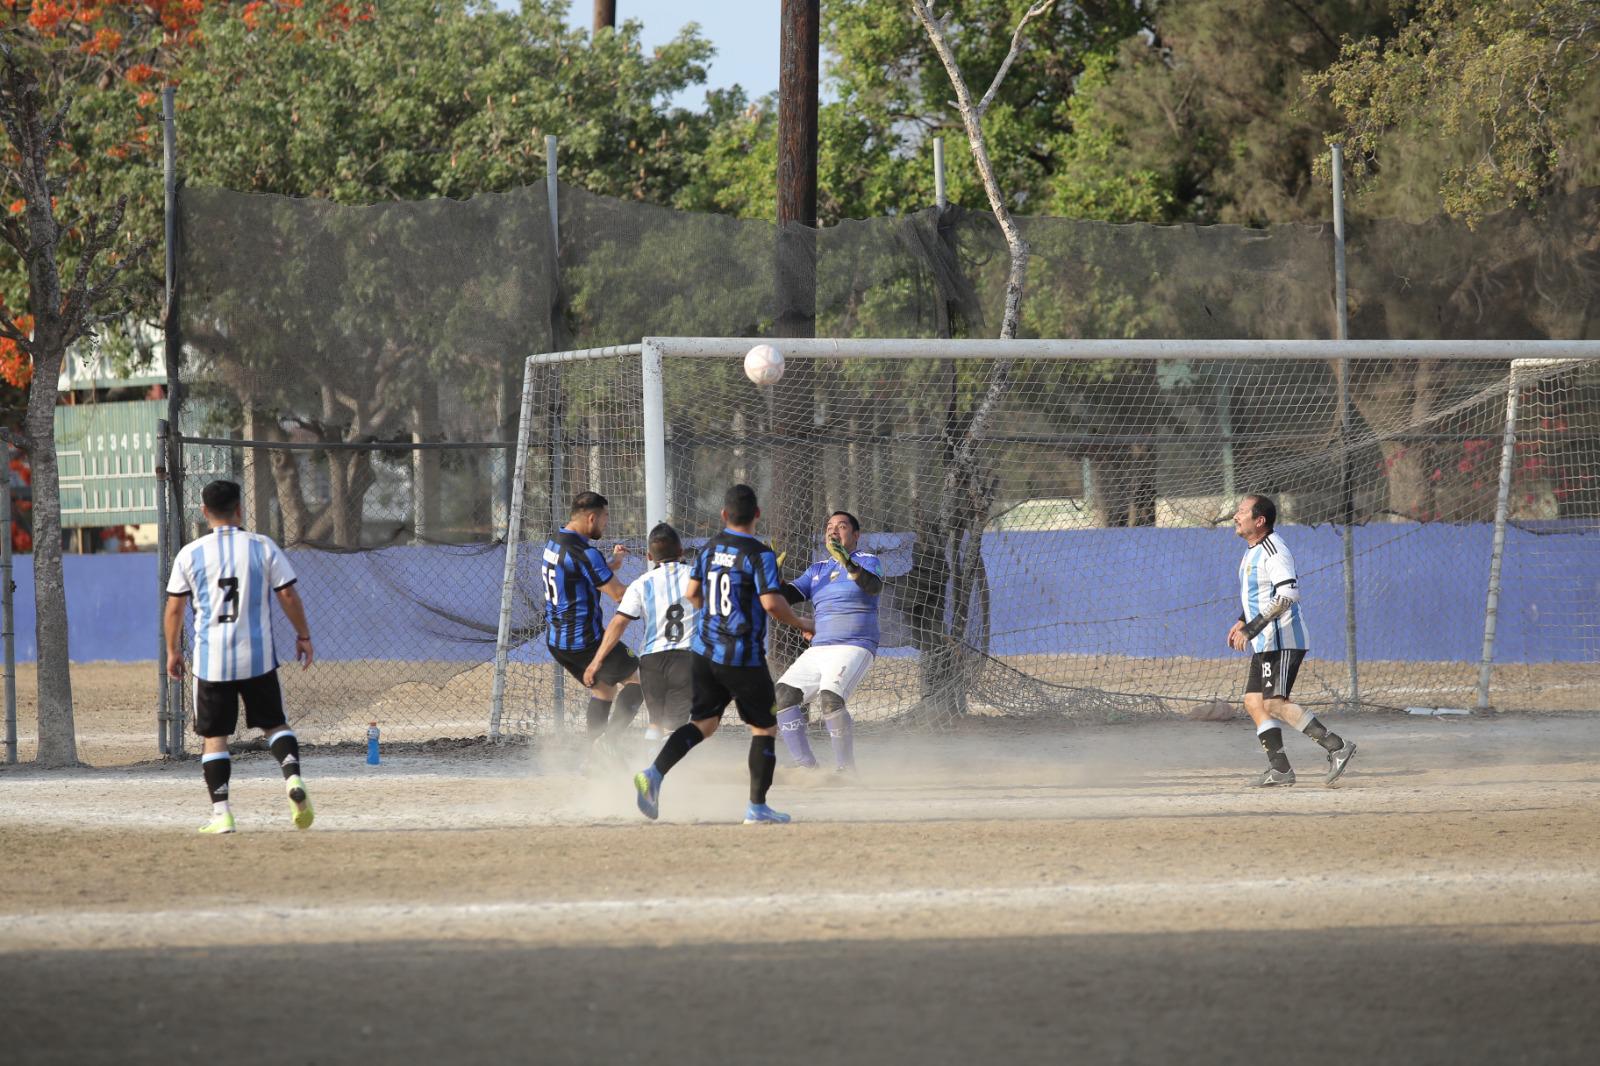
x=792 y=727
x=841 y=731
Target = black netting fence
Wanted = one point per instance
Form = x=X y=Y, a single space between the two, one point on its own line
x=341 y=337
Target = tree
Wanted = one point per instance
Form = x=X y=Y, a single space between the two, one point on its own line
x=1471 y=106
x=887 y=102
x=74 y=264
x=372 y=119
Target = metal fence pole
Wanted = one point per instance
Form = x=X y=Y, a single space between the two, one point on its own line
x=1502 y=507
x=1347 y=503
x=553 y=416
x=163 y=568
x=940 y=199
x=8 y=629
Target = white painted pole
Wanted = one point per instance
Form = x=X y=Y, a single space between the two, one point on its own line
x=1502 y=508
x=657 y=500
x=1347 y=536
x=939 y=196
x=502 y=642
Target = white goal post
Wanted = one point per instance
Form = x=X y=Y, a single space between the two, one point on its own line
x=1085 y=418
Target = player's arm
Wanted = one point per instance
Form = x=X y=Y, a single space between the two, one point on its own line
x=295 y=611
x=1285 y=594
x=172 y=627
x=869 y=581
x=610 y=639
x=778 y=608
x=769 y=587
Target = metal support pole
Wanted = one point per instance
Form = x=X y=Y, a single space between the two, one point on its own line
x=1346 y=473
x=1502 y=507
x=657 y=501
x=163 y=568
x=8 y=629
x=557 y=456
x=502 y=645
x=940 y=199
x=172 y=348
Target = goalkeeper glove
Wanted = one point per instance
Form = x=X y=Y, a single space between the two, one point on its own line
x=840 y=556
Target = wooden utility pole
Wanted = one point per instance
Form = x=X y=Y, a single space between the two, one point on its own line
x=605 y=15
x=793 y=513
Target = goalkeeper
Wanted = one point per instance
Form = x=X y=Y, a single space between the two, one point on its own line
x=1272 y=628
x=844 y=590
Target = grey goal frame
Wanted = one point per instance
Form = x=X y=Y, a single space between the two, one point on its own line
x=1524 y=356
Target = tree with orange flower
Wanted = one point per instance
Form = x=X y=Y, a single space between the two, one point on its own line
x=73 y=258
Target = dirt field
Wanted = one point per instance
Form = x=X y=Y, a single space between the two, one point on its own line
x=1106 y=894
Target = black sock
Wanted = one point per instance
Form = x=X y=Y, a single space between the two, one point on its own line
x=216 y=768
x=763 y=760
x=599 y=711
x=1319 y=733
x=1272 y=742
x=677 y=746
x=286 y=749
x=624 y=707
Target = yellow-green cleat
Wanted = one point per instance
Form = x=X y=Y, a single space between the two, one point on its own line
x=220 y=823
x=299 y=802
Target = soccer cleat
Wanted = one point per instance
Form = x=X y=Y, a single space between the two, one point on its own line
x=761 y=814
x=1338 y=760
x=299 y=802
x=1271 y=778
x=220 y=823
x=647 y=783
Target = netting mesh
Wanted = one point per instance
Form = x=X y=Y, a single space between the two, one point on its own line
x=1066 y=558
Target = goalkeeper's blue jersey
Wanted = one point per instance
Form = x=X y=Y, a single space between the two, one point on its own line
x=846 y=614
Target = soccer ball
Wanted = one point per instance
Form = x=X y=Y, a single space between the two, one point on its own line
x=763 y=364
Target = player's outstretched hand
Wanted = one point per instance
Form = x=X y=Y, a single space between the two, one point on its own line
x=617 y=552
x=175 y=667
x=836 y=550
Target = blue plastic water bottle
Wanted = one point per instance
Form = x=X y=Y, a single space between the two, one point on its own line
x=372 y=743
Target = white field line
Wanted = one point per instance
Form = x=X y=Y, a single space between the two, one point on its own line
x=524 y=916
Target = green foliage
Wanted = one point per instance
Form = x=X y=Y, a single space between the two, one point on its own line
x=1475 y=105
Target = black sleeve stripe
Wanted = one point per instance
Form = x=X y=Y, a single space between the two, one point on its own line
x=184 y=594
x=1292 y=583
x=625 y=614
x=286 y=584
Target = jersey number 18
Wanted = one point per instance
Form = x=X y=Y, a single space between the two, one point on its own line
x=719 y=593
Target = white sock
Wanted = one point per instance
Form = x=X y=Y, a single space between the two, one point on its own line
x=220 y=807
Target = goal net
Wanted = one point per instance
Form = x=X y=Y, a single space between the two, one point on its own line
x=1054 y=519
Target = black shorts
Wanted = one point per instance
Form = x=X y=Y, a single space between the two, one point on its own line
x=216 y=705
x=1272 y=672
x=620 y=663
x=667 y=678
x=750 y=689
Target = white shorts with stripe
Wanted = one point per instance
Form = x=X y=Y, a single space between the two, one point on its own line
x=837 y=668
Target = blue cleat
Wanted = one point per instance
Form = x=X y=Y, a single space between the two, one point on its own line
x=647 y=783
x=761 y=814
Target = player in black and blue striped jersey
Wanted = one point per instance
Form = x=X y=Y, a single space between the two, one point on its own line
x=575 y=576
x=734 y=585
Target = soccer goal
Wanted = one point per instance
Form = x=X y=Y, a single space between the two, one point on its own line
x=1054 y=517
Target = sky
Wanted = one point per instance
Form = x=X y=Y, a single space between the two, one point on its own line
x=744 y=32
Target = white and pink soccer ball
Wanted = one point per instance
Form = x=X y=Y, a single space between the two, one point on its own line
x=763 y=364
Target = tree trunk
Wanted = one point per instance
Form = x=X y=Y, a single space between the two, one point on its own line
x=58 y=745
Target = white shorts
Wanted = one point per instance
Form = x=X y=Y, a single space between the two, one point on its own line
x=838 y=668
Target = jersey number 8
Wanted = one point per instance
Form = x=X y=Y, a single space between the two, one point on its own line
x=719 y=593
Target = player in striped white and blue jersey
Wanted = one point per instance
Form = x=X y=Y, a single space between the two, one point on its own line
x=660 y=600
x=230 y=577
x=1273 y=629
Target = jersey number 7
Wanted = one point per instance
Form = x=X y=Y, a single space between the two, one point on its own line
x=228 y=610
